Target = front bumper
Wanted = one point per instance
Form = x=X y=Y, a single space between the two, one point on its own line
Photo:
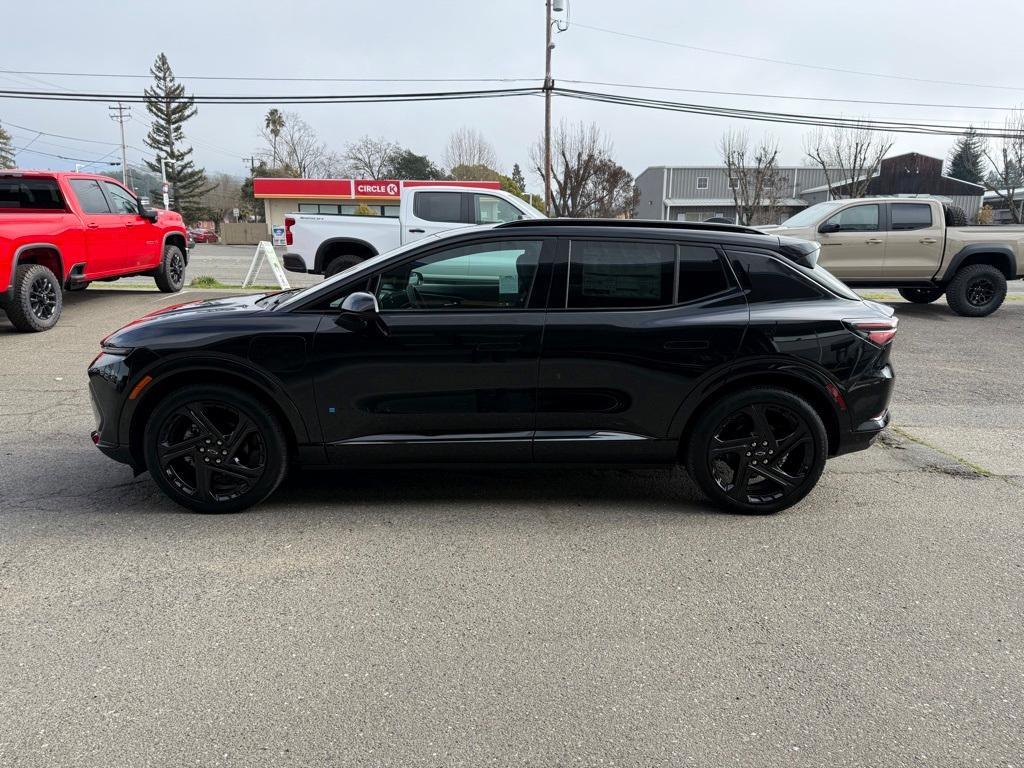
x=108 y=380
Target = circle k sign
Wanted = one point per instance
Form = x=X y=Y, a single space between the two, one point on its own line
x=376 y=189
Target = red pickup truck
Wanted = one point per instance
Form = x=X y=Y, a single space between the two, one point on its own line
x=60 y=231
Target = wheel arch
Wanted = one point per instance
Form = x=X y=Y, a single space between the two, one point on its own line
x=47 y=254
x=175 y=238
x=336 y=246
x=1001 y=257
x=210 y=373
x=807 y=384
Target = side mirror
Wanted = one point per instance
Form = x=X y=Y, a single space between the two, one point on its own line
x=360 y=312
x=828 y=228
x=151 y=214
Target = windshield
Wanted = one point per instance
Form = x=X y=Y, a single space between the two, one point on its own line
x=810 y=215
x=368 y=265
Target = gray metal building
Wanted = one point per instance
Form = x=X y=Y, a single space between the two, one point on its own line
x=697 y=193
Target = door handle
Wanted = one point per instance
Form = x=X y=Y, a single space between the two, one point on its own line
x=874 y=241
x=928 y=241
x=92 y=225
x=129 y=223
x=700 y=344
x=418 y=231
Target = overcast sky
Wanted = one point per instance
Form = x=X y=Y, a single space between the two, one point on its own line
x=505 y=38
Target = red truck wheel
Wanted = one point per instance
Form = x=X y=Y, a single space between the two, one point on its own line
x=37 y=299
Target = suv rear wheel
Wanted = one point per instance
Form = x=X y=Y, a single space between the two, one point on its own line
x=976 y=291
x=758 y=451
x=921 y=295
x=36 y=300
x=214 y=449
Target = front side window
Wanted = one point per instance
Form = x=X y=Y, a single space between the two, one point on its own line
x=123 y=202
x=620 y=274
x=701 y=273
x=493 y=210
x=438 y=206
x=497 y=275
x=910 y=216
x=859 y=218
x=90 y=196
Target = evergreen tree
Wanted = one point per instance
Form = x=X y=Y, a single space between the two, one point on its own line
x=967 y=160
x=518 y=178
x=6 y=149
x=171 y=108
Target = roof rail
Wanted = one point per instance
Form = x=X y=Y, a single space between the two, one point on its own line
x=633 y=223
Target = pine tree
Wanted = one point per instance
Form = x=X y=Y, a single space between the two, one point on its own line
x=171 y=108
x=967 y=160
x=6 y=149
x=518 y=178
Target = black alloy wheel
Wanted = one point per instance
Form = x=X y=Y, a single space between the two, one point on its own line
x=176 y=267
x=758 y=451
x=170 y=276
x=980 y=292
x=977 y=290
x=213 y=449
x=42 y=297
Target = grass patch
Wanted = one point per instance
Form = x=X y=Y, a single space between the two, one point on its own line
x=212 y=283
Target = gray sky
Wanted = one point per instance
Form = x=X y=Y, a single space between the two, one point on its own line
x=504 y=38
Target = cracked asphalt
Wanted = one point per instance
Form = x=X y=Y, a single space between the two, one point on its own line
x=519 y=618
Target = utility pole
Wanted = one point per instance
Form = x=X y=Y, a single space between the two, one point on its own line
x=548 y=84
x=122 y=114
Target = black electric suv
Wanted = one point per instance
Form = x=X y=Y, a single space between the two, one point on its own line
x=586 y=342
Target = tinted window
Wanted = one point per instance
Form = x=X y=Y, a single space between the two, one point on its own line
x=492 y=210
x=620 y=274
x=123 y=202
x=90 y=196
x=859 y=218
x=701 y=273
x=34 y=194
x=480 y=276
x=767 y=279
x=911 y=215
x=438 y=206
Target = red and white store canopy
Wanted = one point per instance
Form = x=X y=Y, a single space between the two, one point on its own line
x=349 y=189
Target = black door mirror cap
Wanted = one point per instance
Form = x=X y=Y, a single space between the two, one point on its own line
x=827 y=228
x=152 y=214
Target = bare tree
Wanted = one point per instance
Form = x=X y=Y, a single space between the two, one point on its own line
x=579 y=155
x=299 y=149
x=371 y=158
x=1007 y=164
x=849 y=157
x=468 y=147
x=753 y=174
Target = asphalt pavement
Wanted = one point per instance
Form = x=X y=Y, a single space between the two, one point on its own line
x=438 y=618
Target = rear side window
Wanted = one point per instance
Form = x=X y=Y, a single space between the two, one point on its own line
x=910 y=216
x=620 y=274
x=438 y=206
x=769 y=280
x=701 y=273
x=30 y=194
x=90 y=196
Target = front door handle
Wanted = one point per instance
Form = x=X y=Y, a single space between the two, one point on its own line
x=928 y=241
x=418 y=231
x=874 y=241
x=92 y=225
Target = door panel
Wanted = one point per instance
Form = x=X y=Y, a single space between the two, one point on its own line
x=913 y=248
x=142 y=240
x=104 y=229
x=611 y=380
x=434 y=212
x=455 y=379
x=857 y=249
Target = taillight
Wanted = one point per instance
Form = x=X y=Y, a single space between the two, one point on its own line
x=288 y=224
x=880 y=332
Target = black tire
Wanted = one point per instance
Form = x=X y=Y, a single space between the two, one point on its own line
x=976 y=291
x=783 y=430
x=75 y=287
x=37 y=299
x=341 y=263
x=921 y=295
x=203 y=426
x=955 y=216
x=170 y=275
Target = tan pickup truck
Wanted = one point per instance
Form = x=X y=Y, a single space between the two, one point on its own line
x=912 y=244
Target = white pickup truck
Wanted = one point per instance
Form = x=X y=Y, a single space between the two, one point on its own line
x=325 y=244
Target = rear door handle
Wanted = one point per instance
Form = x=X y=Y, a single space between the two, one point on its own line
x=928 y=241
x=699 y=344
x=418 y=231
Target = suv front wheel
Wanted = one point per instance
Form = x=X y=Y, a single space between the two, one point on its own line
x=758 y=451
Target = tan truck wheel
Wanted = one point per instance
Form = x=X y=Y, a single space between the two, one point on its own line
x=976 y=291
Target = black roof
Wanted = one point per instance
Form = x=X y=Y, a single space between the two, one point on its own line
x=634 y=223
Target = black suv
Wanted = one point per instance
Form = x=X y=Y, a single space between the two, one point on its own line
x=547 y=342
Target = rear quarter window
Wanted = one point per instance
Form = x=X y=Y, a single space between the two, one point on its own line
x=23 y=194
x=767 y=279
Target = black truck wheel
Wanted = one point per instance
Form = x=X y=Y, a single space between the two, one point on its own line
x=37 y=299
x=977 y=291
x=170 y=275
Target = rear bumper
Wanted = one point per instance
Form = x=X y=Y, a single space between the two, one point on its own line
x=864 y=435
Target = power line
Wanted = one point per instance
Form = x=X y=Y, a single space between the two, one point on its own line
x=89 y=160
x=795 y=63
x=253 y=78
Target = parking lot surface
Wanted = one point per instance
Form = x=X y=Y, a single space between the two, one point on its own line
x=530 y=617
